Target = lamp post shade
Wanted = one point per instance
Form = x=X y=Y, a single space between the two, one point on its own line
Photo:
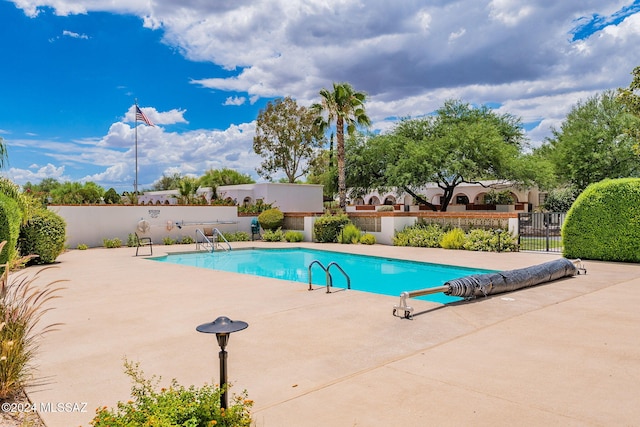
x=222 y=325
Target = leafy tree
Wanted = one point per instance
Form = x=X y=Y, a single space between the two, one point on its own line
x=344 y=106
x=630 y=98
x=112 y=197
x=459 y=144
x=167 y=182
x=216 y=177
x=287 y=137
x=593 y=142
x=187 y=190
x=323 y=171
x=75 y=193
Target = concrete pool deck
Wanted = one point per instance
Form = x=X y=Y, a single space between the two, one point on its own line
x=564 y=353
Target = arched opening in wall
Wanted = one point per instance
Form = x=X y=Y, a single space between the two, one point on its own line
x=460 y=199
x=247 y=201
x=479 y=200
x=437 y=199
x=514 y=197
x=390 y=200
x=359 y=201
x=374 y=200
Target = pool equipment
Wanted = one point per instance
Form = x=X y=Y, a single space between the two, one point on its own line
x=476 y=285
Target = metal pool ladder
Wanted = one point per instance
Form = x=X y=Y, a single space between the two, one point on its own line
x=327 y=273
x=213 y=243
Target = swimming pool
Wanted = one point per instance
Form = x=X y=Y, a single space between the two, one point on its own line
x=379 y=275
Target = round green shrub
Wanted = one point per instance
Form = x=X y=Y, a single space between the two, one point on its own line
x=368 y=239
x=44 y=234
x=453 y=239
x=271 y=219
x=10 y=218
x=327 y=227
x=604 y=222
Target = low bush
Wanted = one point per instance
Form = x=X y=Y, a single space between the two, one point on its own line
x=368 y=239
x=82 y=247
x=238 y=236
x=386 y=208
x=490 y=241
x=186 y=240
x=173 y=406
x=293 y=236
x=327 y=227
x=10 y=219
x=453 y=239
x=271 y=219
x=169 y=240
x=273 y=236
x=604 y=222
x=44 y=234
x=350 y=234
x=419 y=236
x=132 y=242
x=112 y=243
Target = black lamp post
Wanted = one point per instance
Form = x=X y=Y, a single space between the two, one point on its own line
x=222 y=327
x=499 y=233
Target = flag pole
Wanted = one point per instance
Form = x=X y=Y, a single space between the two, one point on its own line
x=135 y=183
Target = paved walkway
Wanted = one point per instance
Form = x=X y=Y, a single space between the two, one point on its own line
x=564 y=353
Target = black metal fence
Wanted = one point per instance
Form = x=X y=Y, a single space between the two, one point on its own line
x=540 y=231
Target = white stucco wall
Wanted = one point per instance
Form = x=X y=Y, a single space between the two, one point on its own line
x=90 y=224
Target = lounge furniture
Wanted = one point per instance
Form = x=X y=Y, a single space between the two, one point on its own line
x=142 y=242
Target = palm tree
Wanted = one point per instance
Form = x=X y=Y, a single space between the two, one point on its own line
x=345 y=106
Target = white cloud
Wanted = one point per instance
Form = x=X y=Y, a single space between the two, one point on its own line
x=71 y=34
x=235 y=100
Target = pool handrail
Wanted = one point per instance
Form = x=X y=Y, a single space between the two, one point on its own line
x=212 y=244
x=328 y=278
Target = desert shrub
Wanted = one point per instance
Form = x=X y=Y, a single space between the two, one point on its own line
x=294 y=236
x=112 y=243
x=82 y=247
x=453 y=239
x=271 y=219
x=22 y=304
x=368 y=239
x=44 y=234
x=604 y=222
x=273 y=235
x=494 y=197
x=350 y=234
x=173 y=406
x=327 y=227
x=10 y=219
x=238 y=236
x=169 y=240
x=132 y=242
x=186 y=240
x=386 y=208
x=419 y=236
x=490 y=241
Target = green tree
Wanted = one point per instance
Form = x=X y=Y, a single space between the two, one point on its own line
x=167 y=182
x=459 y=144
x=74 y=193
x=593 y=142
x=287 y=137
x=187 y=190
x=216 y=177
x=323 y=171
x=112 y=197
x=630 y=98
x=345 y=107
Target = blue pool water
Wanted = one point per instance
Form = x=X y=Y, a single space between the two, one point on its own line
x=367 y=273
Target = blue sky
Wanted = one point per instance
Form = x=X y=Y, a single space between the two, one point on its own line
x=202 y=71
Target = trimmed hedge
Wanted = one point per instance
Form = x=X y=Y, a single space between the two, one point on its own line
x=10 y=219
x=271 y=219
x=327 y=227
x=604 y=222
x=44 y=234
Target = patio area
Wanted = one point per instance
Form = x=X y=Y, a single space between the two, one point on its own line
x=564 y=353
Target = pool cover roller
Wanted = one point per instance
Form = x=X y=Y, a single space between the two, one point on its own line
x=476 y=285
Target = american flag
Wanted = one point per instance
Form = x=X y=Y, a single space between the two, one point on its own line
x=142 y=117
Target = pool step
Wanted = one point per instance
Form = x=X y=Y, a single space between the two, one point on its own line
x=329 y=279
